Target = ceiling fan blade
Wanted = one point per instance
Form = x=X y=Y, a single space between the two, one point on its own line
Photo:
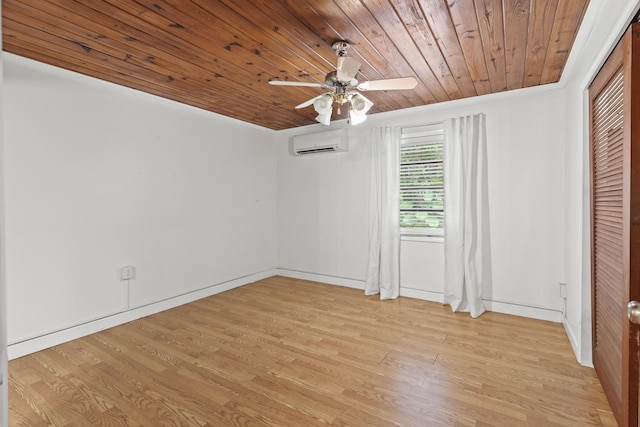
x=389 y=84
x=347 y=69
x=307 y=103
x=288 y=83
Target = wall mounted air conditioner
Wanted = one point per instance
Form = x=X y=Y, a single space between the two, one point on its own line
x=322 y=142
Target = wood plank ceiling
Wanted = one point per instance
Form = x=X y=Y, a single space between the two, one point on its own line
x=219 y=54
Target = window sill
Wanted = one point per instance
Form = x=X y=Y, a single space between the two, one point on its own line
x=421 y=238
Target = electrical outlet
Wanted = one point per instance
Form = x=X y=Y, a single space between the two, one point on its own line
x=127 y=272
x=563 y=290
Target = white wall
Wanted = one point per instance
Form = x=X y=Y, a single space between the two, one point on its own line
x=323 y=203
x=98 y=177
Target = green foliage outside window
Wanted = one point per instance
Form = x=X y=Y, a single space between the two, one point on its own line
x=421 y=186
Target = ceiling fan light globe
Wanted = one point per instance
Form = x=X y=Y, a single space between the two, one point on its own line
x=360 y=104
x=322 y=105
x=356 y=119
x=324 y=118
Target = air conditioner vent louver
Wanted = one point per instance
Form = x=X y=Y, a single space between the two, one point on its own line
x=321 y=142
x=316 y=150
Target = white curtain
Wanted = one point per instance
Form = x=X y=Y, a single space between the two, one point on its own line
x=383 y=266
x=466 y=220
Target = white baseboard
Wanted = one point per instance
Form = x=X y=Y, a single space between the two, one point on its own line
x=514 y=308
x=575 y=345
x=517 y=309
x=314 y=277
x=32 y=345
x=423 y=295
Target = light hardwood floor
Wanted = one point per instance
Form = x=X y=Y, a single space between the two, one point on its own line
x=286 y=352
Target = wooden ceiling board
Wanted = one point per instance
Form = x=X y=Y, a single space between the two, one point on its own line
x=516 y=17
x=413 y=19
x=395 y=34
x=540 y=26
x=96 y=57
x=568 y=15
x=491 y=25
x=467 y=30
x=219 y=55
x=436 y=13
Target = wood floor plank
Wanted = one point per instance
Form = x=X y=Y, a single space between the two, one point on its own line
x=289 y=352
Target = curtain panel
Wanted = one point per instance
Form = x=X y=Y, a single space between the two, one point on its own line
x=466 y=219
x=383 y=266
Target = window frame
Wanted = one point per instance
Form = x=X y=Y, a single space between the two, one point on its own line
x=420 y=135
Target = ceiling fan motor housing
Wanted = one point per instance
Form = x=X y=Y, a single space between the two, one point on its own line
x=332 y=80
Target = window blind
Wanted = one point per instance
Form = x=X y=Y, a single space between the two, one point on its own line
x=421 y=179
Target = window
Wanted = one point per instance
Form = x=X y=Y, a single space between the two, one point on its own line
x=421 y=180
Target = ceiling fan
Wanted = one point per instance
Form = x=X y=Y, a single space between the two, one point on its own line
x=343 y=85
